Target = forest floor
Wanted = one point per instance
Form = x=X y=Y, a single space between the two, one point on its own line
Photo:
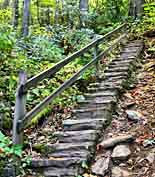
x=135 y=115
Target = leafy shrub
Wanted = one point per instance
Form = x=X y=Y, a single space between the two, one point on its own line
x=5 y=15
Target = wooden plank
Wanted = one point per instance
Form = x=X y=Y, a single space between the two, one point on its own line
x=65 y=85
x=53 y=70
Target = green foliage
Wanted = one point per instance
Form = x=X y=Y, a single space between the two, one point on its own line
x=8 y=151
x=5 y=15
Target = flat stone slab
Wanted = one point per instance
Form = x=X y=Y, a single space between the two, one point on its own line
x=84 y=124
x=102 y=94
x=63 y=172
x=76 y=136
x=60 y=147
x=102 y=89
x=85 y=154
x=117 y=69
x=56 y=162
x=93 y=112
x=111 y=74
x=121 y=152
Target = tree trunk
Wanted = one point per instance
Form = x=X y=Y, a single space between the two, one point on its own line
x=136 y=8
x=15 y=13
x=56 y=18
x=26 y=15
x=83 y=6
x=38 y=12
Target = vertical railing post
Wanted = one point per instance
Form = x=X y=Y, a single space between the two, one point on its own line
x=20 y=109
x=97 y=63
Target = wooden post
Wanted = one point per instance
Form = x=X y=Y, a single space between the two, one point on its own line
x=20 y=109
x=95 y=55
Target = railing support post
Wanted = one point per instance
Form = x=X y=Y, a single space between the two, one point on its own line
x=20 y=109
x=97 y=63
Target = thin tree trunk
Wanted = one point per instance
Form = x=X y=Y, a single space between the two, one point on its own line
x=26 y=15
x=56 y=18
x=83 y=6
x=15 y=13
x=38 y=12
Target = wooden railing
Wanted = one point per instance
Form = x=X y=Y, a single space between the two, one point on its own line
x=21 y=117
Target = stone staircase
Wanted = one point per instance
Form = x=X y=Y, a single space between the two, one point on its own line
x=77 y=142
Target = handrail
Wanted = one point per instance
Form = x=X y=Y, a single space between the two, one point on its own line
x=21 y=118
x=51 y=71
x=64 y=86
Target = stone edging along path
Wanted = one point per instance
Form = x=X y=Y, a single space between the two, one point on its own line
x=77 y=142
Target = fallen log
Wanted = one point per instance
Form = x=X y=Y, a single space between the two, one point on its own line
x=111 y=142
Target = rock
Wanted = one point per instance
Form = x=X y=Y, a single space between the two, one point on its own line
x=118 y=172
x=111 y=142
x=101 y=166
x=64 y=172
x=151 y=157
x=134 y=115
x=121 y=152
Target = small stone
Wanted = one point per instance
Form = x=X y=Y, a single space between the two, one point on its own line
x=134 y=115
x=150 y=157
x=118 y=172
x=121 y=152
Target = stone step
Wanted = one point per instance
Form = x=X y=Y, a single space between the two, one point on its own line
x=85 y=154
x=125 y=59
x=119 y=65
x=112 y=84
x=102 y=89
x=76 y=136
x=84 y=124
x=92 y=112
x=128 y=55
x=95 y=84
x=56 y=162
x=98 y=100
x=115 y=79
x=62 y=147
x=117 y=69
x=63 y=172
x=101 y=94
x=114 y=74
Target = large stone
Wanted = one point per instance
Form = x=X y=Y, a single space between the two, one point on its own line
x=111 y=142
x=101 y=166
x=121 y=152
x=134 y=115
x=118 y=172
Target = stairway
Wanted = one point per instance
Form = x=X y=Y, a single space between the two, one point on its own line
x=77 y=142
